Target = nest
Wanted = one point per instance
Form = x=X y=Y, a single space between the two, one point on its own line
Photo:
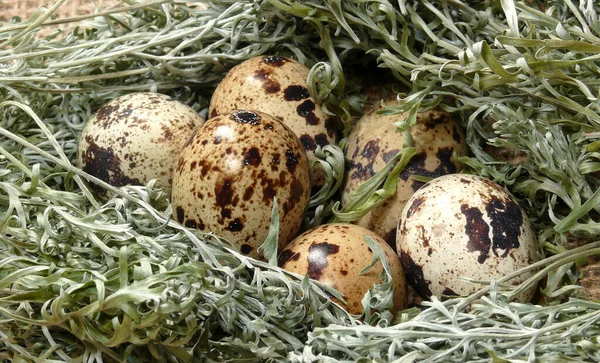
x=174 y=294
x=25 y=8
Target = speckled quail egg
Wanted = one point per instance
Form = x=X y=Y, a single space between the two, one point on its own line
x=136 y=138
x=230 y=171
x=334 y=254
x=467 y=226
x=374 y=141
x=277 y=86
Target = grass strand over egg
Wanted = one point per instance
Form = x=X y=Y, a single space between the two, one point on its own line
x=82 y=280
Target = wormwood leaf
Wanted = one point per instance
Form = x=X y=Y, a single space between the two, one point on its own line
x=331 y=160
x=378 y=300
x=271 y=243
x=375 y=190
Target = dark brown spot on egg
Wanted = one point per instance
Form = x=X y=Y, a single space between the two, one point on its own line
x=275 y=162
x=269 y=190
x=321 y=140
x=389 y=155
x=415 y=276
x=287 y=255
x=449 y=292
x=276 y=159
x=122 y=140
x=344 y=272
x=370 y=150
x=225 y=213
x=275 y=60
x=330 y=126
x=204 y=167
x=465 y=181
x=252 y=157
x=477 y=230
x=193 y=165
x=416 y=166
x=283 y=179
x=360 y=171
x=414 y=206
x=235 y=226
x=456 y=134
x=190 y=223
x=506 y=220
x=104 y=164
x=248 y=193
x=167 y=134
x=446 y=166
x=308 y=142
x=271 y=86
x=268 y=84
x=180 y=213
x=423 y=236
x=295 y=93
x=318 y=254
x=246 y=249
x=224 y=193
x=435 y=118
x=291 y=161
x=246 y=117
x=104 y=115
x=306 y=109
x=296 y=191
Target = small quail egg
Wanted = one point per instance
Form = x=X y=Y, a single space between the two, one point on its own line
x=462 y=225
x=229 y=172
x=277 y=86
x=136 y=138
x=374 y=141
x=334 y=254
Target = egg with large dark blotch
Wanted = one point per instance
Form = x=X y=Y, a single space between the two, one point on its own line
x=229 y=173
x=375 y=140
x=277 y=86
x=334 y=254
x=136 y=138
x=458 y=227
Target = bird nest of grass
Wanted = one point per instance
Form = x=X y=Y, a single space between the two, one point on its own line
x=117 y=279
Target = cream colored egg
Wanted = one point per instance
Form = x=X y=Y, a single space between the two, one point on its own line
x=463 y=226
x=230 y=171
x=277 y=86
x=136 y=138
x=374 y=141
x=334 y=254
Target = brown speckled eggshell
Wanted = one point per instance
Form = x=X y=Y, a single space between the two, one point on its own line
x=277 y=86
x=136 y=138
x=463 y=226
x=230 y=171
x=374 y=141
x=334 y=254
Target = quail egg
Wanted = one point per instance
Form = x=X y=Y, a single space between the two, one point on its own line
x=230 y=171
x=467 y=226
x=374 y=141
x=334 y=254
x=136 y=138
x=277 y=86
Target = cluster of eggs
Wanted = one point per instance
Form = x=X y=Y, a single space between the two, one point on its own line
x=258 y=146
